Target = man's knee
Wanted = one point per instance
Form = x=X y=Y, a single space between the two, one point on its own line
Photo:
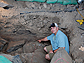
x=45 y=49
x=47 y=56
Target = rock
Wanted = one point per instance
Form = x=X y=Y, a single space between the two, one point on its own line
x=13 y=46
x=79 y=60
x=31 y=47
x=25 y=32
x=3 y=41
x=1 y=28
x=8 y=26
x=1 y=46
x=16 y=59
x=5 y=6
x=45 y=6
x=5 y=47
x=35 y=57
x=61 y=56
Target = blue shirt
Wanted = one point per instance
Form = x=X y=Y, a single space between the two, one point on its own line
x=59 y=40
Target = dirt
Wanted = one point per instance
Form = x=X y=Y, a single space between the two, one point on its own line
x=30 y=21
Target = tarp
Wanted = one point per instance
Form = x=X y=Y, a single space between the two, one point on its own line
x=25 y=0
x=32 y=0
x=51 y=1
x=64 y=2
x=4 y=60
x=40 y=0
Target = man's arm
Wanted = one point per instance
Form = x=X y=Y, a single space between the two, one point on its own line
x=44 y=39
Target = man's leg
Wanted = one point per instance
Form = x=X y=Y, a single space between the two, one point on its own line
x=48 y=48
x=49 y=55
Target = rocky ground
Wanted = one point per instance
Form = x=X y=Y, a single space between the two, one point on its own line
x=26 y=22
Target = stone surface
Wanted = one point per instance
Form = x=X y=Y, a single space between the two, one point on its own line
x=31 y=47
x=29 y=21
x=13 y=46
x=35 y=57
x=3 y=41
x=3 y=44
x=61 y=56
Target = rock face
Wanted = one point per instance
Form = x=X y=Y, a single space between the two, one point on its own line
x=61 y=56
x=13 y=46
x=35 y=57
x=25 y=23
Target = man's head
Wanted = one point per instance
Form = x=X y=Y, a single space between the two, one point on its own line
x=53 y=25
x=54 y=28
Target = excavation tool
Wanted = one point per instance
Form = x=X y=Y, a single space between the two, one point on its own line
x=81 y=22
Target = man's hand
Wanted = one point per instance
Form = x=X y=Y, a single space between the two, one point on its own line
x=44 y=39
x=50 y=51
x=57 y=49
x=39 y=41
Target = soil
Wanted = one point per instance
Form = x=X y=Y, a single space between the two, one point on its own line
x=29 y=21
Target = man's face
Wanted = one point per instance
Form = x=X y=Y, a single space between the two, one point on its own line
x=53 y=29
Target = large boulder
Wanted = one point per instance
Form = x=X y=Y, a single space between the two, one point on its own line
x=61 y=56
x=38 y=56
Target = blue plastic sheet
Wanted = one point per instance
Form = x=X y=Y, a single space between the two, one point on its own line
x=4 y=60
x=64 y=2
x=51 y=1
x=26 y=0
x=39 y=0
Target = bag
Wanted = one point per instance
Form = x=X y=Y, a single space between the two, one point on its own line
x=51 y=1
x=66 y=2
x=40 y=0
x=26 y=0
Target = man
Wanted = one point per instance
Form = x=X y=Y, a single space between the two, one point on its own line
x=58 y=39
